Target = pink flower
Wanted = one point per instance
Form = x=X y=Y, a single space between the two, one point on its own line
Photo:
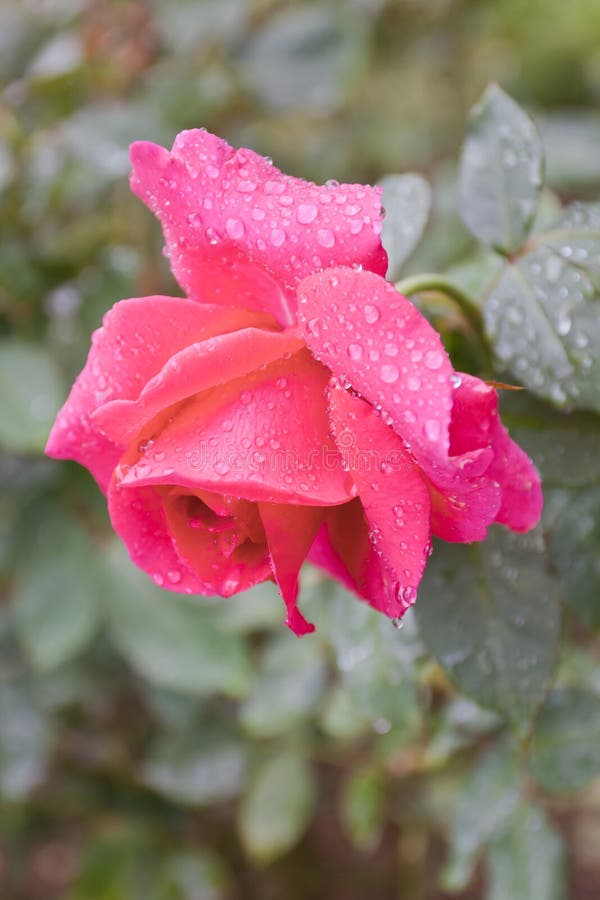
x=293 y=405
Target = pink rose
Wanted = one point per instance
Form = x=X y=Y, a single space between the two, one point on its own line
x=292 y=406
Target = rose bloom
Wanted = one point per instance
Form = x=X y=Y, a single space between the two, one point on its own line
x=293 y=405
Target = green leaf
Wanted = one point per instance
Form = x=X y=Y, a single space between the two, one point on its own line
x=574 y=540
x=362 y=808
x=407 y=203
x=196 y=767
x=542 y=313
x=169 y=638
x=490 y=614
x=25 y=739
x=376 y=661
x=566 y=742
x=278 y=807
x=527 y=860
x=31 y=392
x=300 y=57
x=501 y=172
x=489 y=795
x=563 y=447
x=58 y=593
x=288 y=686
x=197 y=875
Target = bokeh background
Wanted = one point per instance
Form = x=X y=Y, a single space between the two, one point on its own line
x=165 y=749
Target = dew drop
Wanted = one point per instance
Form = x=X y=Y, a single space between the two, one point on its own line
x=326 y=237
x=306 y=213
x=371 y=314
x=277 y=237
x=235 y=228
x=432 y=429
x=174 y=576
x=389 y=373
x=433 y=359
x=355 y=351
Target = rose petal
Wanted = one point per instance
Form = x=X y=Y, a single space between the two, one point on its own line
x=264 y=437
x=343 y=549
x=136 y=339
x=522 y=499
x=194 y=369
x=239 y=231
x=501 y=486
x=226 y=561
x=138 y=517
x=391 y=488
x=290 y=532
x=365 y=331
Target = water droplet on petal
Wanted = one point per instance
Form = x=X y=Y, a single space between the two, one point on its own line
x=326 y=237
x=389 y=373
x=277 y=237
x=355 y=351
x=306 y=213
x=433 y=359
x=432 y=429
x=371 y=313
x=235 y=228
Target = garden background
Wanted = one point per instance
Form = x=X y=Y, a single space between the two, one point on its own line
x=154 y=747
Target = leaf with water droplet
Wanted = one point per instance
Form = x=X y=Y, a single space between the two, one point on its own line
x=58 y=589
x=31 y=391
x=490 y=614
x=527 y=859
x=488 y=796
x=574 y=541
x=171 y=639
x=278 y=807
x=407 y=203
x=565 y=752
x=501 y=172
x=289 y=684
x=542 y=313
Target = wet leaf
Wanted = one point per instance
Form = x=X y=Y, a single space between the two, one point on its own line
x=566 y=742
x=362 y=808
x=488 y=796
x=31 y=392
x=574 y=539
x=169 y=638
x=542 y=314
x=25 y=740
x=407 y=203
x=58 y=592
x=196 y=767
x=278 y=807
x=289 y=684
x=490 y=614
x=527 y=859
x=501 y=172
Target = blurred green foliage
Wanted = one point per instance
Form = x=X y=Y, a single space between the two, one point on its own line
x=168 y=748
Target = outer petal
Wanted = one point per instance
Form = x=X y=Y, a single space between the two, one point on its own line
x=343 y=548
x=192 y=370
x=239 y=232
x=227 y=561
x=365 y=331
x=392 y=491
x=138 y=517
x=508 y=490
x=136 y=339
x=262 y=437
x=290 y=532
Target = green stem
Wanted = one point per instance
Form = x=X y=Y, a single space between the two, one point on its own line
x=417 y=284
